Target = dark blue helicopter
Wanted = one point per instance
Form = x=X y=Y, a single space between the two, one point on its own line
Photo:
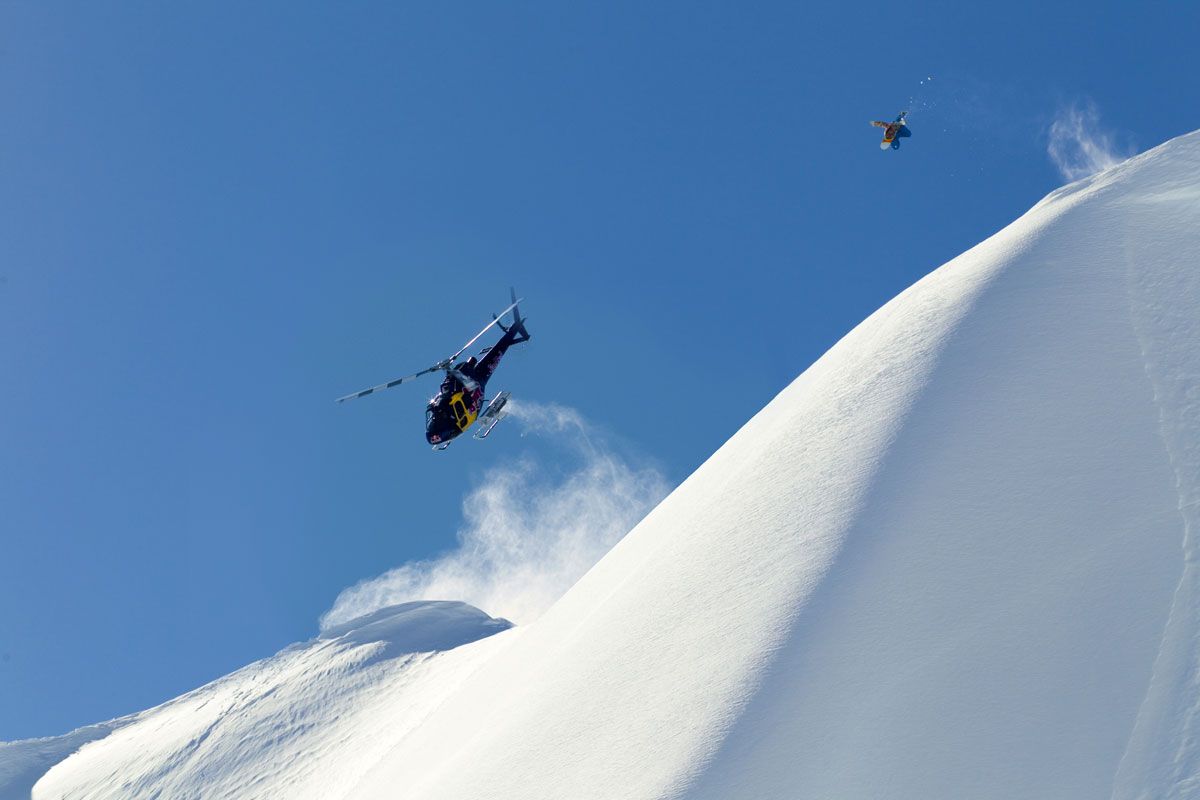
x=460 y=399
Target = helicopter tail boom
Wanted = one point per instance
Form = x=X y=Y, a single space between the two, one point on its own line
x=518 y=322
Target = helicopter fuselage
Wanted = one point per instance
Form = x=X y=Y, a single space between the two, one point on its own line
x=456 y=406
x=450 y=412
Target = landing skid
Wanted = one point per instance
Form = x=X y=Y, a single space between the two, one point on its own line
x=491 y=416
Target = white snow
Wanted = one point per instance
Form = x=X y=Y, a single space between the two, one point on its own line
x=23 y=762
x=305 y=723
x=955 y=558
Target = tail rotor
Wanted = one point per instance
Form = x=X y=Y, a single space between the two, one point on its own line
x=518 y=322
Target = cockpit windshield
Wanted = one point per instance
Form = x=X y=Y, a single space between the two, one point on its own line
x=439 y=421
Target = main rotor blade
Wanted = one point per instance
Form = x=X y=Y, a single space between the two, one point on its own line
x=486 y=328
x=389 y=384
x=439 y=366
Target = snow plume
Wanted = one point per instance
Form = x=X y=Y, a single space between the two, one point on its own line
x=528 y=533
x=1077 y=145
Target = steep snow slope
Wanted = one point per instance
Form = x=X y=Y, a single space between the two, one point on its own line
x=955 y=558
x=939 y=564
x=304 y=723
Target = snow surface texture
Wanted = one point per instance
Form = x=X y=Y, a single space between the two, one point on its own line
x=23 y=762
x=314 y=716
x=956 y=558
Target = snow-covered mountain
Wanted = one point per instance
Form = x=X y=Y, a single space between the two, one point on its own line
x=306 y=723
x=956 y=558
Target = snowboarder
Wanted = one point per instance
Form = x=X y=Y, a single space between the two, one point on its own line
x=893 y=131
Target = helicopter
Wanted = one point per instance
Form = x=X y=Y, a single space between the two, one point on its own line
x=458 y=402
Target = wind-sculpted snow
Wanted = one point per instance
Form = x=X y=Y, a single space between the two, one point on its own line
x=418 y=627
x=956 y=558
x=23 y=762
x=304 y=723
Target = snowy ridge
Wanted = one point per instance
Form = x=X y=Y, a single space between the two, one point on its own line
x=23 y=763
x=299 y=724
x=955 y=558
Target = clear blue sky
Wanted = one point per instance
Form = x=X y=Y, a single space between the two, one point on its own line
x=217 y=217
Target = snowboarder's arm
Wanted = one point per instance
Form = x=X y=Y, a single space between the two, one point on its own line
x=879 y=124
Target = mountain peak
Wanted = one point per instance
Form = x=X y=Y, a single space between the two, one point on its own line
x=956 y=557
